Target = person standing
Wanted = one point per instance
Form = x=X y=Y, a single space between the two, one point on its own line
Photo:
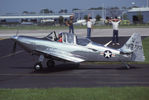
x=115 y=23
x=69 y=23
x=89 y=27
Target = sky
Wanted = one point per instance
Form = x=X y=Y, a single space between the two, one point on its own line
x=18 y=6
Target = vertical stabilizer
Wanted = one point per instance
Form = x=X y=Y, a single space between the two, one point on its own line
x=134 y=46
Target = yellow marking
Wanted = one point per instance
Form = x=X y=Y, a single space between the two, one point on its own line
x=1 y=39
x=11 y=54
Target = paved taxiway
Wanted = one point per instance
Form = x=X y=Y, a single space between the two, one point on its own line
x=79 y=32
x=16 y=71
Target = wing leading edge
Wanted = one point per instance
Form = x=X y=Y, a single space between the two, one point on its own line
x=63 y=55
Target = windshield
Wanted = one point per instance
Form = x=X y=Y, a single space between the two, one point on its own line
x=83 y=41
x=68 y=38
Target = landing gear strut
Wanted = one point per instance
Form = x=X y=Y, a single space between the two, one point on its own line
x=38 y=65
x=50 y=63
x=127 y=66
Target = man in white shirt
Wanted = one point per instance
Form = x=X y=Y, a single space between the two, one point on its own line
x=89 y=27
x=115 y=23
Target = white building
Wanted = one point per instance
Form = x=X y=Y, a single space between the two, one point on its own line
x=31 y=18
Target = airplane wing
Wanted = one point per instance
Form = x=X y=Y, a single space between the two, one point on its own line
x=63 y=55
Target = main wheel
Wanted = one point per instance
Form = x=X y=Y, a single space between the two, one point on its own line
x=50 y=63
x=38 y=66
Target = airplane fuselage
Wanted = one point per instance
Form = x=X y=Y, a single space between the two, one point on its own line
x=90 y=52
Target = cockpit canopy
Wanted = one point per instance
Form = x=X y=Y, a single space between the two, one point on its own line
x=68 y=38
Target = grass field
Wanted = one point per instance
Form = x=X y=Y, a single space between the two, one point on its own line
x=34 y=27
x=103 y=93
x=146 y=49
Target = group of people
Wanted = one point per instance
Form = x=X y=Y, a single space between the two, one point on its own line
x=115 y=23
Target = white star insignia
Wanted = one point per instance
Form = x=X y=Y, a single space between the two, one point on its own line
x=107 y=54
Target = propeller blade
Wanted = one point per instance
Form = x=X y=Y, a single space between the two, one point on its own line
x=14 y=47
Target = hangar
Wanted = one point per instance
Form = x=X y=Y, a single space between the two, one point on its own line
x=138 y=15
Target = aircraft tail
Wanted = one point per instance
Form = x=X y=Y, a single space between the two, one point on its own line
x=134 y=46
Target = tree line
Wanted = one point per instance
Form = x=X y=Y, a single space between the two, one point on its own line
x=48 y=11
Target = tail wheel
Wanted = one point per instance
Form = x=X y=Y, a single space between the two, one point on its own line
x=50 y=63
x=38 y=66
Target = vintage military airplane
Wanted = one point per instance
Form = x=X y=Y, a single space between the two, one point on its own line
x=78 y=50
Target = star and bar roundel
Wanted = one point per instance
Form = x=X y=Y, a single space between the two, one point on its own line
x=107 y=54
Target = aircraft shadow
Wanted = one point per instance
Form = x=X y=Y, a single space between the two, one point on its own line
x=69 y=67
x=58 y=68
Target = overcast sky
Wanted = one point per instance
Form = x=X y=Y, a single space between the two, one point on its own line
x=18 y=6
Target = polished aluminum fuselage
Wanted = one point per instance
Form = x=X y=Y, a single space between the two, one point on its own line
x=89 y=52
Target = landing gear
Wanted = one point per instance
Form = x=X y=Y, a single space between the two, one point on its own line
x=38 y=66
x=50 y=63
x=127 y=66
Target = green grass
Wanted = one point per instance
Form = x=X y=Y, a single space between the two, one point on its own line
x=103 y=93
x=146 y=49
x=34 y=27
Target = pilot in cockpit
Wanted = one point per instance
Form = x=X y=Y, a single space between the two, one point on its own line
x=60 y=39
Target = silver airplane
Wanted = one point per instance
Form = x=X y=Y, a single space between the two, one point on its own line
x=77 y=50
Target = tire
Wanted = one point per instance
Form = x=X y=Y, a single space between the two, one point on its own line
x=50 y=63
x=38 y=66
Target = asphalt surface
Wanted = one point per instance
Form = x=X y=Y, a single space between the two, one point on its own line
x=17 y=71
x=78 y=32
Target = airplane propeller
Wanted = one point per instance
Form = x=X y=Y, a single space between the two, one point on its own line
x=14 y=47
x=15 y=43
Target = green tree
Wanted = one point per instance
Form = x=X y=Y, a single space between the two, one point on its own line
x=61 y=20
x=86 y=17
x=46 y=11
x=125 y=17
x=32 y=12
x=74 y=9
x=63 y=11
x=114 y=8
x=99 y=8
x=98 y=17
x=25 y=12
x=124 y=8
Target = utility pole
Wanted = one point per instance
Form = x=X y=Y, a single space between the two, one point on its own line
x=147 y=3
x=103 y=11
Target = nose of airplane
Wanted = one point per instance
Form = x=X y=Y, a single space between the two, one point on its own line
x=14 y=37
